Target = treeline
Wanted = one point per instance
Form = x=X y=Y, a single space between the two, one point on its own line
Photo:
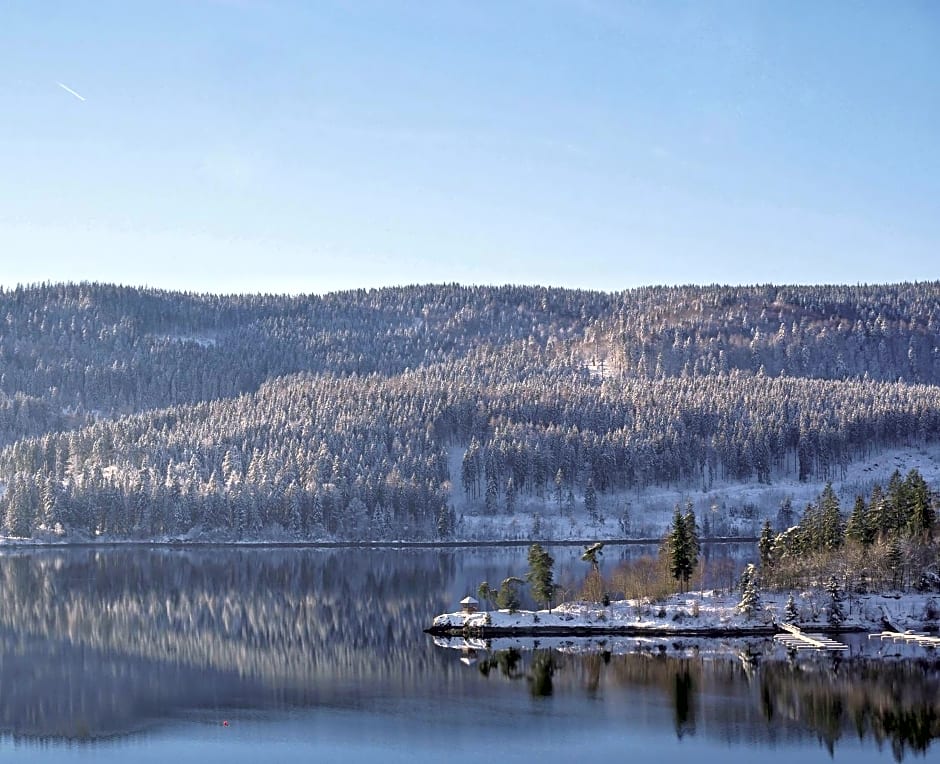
x=375 y=414
x=880 y=332
x=301 y=458
x=367 y=457
x=887 y=542
x=112 y=349
x=890 y=541
x=635 y=433
x=327 y=457
x=115 y=350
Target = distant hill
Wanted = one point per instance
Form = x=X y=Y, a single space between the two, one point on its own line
x=138 y=413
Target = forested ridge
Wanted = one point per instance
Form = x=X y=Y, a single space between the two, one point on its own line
x=139 y=413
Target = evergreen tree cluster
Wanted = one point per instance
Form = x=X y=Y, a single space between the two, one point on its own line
x=139 y=413
x=888 y=540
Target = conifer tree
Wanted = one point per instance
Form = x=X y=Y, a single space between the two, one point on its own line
x=469 y=468
x=810 y=529
x=510 y=496
x=486 y=593
x=559 y=488
x=836 y=615
x=692 y=534
x=857 y=528
x=491 y=499
x=569 y=502
x=536 y=525
x=790 y=613
x=592 y=555
x=831 y=520
x=445 y=522
x=679 y=549
x=765 y=546
x=19 y=518
x=750 y=591
x=922 y=517
x=785 y=515
x=590 y=500
x=540 y=575
x=897 y=503
x=507 y=598
x=877 y=520
x=895 y=560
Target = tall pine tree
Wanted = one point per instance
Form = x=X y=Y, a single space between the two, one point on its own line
x=680 y=549
x=540 y=575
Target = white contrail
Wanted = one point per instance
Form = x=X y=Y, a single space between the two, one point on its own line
x=67 y=89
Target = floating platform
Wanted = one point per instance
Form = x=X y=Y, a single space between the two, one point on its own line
x=909 y=637
x=797 y=639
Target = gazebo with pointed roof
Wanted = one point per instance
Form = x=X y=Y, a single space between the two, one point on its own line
x=469 y=604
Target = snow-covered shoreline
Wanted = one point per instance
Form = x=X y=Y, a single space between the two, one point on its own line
x=60 y=542
x=701 y=613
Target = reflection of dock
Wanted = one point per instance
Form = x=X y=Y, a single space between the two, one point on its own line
x=797 y=639
x=908 y=637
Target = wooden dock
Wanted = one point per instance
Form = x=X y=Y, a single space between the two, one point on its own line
x=796 y=639
x=908 y=637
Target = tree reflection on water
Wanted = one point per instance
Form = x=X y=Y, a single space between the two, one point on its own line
x=97 y=643
x=893 y=702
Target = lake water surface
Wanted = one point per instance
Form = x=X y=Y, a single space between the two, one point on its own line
x=318 y=654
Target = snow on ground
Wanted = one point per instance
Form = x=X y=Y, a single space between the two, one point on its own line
x=725 y=509
x=746 y=649
x=712 y=611
x=600 y=369
x=203 y=340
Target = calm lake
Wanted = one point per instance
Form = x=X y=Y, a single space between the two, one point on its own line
x=144 y=654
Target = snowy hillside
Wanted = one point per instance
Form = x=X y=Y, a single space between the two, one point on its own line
x=729 y=508
x=446 y=413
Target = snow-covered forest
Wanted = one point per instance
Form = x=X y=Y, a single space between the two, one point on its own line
x=419 y=412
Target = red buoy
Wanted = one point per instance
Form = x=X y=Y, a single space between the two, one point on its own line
x=225 y=723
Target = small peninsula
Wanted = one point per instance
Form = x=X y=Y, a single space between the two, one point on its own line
x=708 y=613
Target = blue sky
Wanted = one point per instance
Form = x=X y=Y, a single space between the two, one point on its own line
x=277 y=146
